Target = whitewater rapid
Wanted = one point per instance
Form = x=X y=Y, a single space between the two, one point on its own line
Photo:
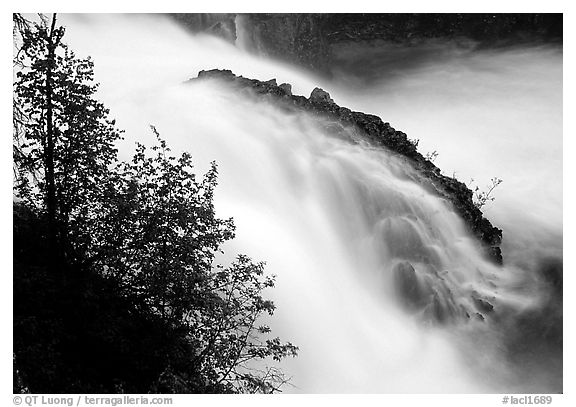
x=331 y=218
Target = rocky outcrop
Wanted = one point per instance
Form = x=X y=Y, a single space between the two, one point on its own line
x=321 y=96
x=380 y=134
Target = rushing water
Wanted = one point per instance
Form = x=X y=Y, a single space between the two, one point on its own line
x=378 y=281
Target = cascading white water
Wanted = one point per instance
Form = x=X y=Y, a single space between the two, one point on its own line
x=487 y=113
x=341 y=224
x=244 y=40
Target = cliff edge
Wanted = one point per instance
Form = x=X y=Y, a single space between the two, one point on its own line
x=380 y=134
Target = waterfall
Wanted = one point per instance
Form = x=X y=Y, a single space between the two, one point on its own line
x=243 y=36
x=378 y=280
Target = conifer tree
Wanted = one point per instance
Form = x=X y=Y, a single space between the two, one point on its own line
x=65 y=138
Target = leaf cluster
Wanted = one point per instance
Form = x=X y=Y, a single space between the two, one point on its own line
x=148 y=226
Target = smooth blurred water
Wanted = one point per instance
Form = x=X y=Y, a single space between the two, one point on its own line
x=341 y=224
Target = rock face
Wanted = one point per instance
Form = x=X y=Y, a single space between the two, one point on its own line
x=221 y=25
x=310 y=40
x=380 y=134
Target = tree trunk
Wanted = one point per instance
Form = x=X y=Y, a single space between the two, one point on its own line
x=49 y=152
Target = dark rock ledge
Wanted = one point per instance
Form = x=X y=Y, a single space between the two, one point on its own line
x=380 y=134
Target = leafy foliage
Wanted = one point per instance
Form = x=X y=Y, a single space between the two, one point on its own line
x=163 y=250
x=137 y=242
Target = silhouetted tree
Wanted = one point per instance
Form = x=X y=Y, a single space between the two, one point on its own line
x=163 y=246
x=65 y=139
x=135 y=243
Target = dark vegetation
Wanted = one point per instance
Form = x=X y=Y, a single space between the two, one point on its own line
x=116 y=282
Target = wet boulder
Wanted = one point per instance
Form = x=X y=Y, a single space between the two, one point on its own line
x=414 y=293
x=483 y=306
x=443 y=308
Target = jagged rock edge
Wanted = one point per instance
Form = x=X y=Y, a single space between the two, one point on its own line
x=383 y=135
